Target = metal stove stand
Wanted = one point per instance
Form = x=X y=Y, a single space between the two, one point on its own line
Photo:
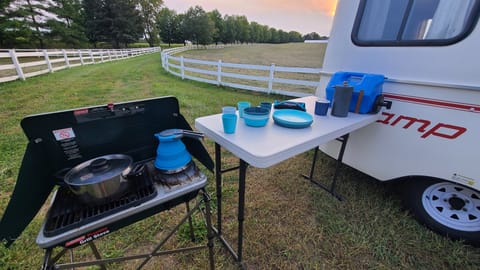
x=136 y=208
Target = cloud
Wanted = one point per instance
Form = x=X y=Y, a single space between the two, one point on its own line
x=304 y=16
x=324 y=6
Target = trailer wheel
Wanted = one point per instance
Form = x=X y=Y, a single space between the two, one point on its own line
x=448 y=208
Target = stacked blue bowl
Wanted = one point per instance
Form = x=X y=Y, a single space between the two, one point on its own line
x=256 y=116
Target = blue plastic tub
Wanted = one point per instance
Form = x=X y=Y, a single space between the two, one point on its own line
x=371 y=84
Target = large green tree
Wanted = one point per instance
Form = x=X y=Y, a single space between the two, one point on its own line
x=312 y=36
x=149 y=11
x=169 y=25
x=26 y=19
x=218 y=25
x=123 y=24
x=93 y=12
x=68 y=28
x=230 y=32
x=243 y=29
x=114 y=21
x=294 y=36
x=197 y=26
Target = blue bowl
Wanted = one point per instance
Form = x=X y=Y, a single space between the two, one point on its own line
x=256 y=116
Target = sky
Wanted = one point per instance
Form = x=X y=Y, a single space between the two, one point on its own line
x=304 y=16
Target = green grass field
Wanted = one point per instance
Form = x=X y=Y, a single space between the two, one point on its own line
x=290 y=224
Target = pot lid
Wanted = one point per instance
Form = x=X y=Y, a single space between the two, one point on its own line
x=99 y=169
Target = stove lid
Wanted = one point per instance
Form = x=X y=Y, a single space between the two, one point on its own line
x=61 y=140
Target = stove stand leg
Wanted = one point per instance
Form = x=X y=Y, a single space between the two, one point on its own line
x=155 y=252
x=96 y=253
x=190 y=223
x=46 y=259
x=210 y=236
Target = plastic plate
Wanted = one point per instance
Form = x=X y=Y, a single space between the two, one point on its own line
x=292 y=118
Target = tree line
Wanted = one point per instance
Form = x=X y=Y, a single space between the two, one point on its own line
x=119 y=23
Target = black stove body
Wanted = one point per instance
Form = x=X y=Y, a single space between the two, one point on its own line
x=61 y=140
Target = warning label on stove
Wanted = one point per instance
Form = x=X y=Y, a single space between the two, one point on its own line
x=66 y=139
x=63 y=134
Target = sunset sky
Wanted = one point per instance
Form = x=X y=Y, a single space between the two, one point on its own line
x=304 y=16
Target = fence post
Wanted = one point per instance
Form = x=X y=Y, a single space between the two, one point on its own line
x=47 y=60
x=81 y=57
x=101 y=56
x=219 y=73
x=13 y=55
x=166 y=63
x=270 y=79
x=91 y=56
x=109 y=55
x=182 y=67
x=67 y=63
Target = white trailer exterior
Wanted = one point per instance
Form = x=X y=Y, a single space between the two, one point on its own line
x=431 y=136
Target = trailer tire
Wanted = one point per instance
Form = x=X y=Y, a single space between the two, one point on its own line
x=447 y=208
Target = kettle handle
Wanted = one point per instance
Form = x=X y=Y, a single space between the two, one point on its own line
x=170 y=134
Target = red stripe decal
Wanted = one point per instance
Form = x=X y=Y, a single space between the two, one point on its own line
x=435 y=102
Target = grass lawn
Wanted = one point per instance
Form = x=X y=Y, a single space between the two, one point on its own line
x=290 y=224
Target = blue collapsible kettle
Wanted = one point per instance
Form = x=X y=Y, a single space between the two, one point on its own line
x=171 y=152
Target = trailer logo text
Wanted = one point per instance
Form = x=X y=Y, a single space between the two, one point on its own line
x=426 y=127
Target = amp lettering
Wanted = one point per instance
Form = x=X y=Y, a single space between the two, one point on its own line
x=423 y=126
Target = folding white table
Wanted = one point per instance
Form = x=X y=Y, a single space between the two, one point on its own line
x=265 y=146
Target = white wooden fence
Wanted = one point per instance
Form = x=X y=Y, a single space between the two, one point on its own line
x=265 y=79
x=22 y=64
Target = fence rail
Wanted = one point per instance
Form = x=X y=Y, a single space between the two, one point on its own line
x=290 y=81
x=22 y=64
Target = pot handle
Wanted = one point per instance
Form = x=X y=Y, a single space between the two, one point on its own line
x=60 y=176
x=137 y=170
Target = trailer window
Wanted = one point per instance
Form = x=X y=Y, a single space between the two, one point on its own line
x=414 y=22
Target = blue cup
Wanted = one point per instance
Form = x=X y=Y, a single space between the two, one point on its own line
x=321 y=106
x=242 y=105
x=266 y=105
x=228 y=110
x=229 y=123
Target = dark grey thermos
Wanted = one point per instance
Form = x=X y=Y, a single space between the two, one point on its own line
x=341 y=100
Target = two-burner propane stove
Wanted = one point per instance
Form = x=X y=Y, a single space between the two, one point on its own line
x=159 y=144
x=70 y=223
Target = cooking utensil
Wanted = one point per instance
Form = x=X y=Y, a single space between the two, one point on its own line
x=101 y=179
x=341 y=99
x=359 y=101
x=172 y=154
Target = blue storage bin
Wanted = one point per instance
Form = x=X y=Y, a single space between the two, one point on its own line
x=371 y=84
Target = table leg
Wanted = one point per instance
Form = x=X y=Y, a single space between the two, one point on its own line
x=331 y=188
x=218 y=181
x=241 y=207
x=237 y=255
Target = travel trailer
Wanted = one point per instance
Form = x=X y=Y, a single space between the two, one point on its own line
x=429 y=140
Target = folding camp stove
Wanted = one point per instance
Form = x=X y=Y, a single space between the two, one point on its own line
x=58 y=141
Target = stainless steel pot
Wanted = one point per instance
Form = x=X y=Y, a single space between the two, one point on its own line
x=101 y=179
